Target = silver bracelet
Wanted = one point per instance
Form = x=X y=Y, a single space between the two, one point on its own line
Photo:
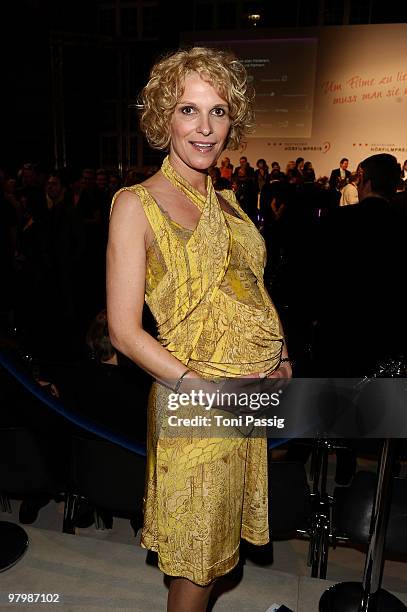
x=179 y=381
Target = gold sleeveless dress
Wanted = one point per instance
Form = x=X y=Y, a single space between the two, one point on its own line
x=205 y=289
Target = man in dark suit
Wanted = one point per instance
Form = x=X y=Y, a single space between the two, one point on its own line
x=340 y=175
x=248 y=169
x=360 y=307
x=356 y=288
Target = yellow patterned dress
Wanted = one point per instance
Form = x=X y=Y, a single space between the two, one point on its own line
x=205 y=289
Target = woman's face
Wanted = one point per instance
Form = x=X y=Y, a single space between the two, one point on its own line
x=199 y=126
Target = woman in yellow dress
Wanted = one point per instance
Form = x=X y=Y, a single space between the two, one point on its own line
x=197 y=260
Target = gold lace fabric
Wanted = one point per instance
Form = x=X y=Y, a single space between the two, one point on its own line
x=205 y=288
x=239 y=281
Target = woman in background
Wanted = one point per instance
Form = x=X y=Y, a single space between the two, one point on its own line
x=226 y=169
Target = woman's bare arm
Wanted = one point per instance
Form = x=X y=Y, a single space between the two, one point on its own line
x=129 y=232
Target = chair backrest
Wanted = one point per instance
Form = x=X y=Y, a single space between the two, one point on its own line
x=106 y=474
x=353 y=512
x=23 y=464
x=289 y=499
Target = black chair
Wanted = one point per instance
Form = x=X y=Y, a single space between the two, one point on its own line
x=25 y=467
x=108 y=477
x=289 y=499
x=321 y=532
x=318 y=527
x=373 y=511
x=289 y=508
x=33 y=451
x=353 y=512
x=24 y=471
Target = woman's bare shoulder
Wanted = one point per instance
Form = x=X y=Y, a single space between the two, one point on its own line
x=127 y=212
x=126 y=197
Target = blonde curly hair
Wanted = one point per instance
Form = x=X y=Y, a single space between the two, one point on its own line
x=165 y=87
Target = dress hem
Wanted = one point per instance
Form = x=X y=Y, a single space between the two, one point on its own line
x=258 y=538
x=221 y=568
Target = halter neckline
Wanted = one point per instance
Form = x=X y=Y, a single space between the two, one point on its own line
x=180 y=183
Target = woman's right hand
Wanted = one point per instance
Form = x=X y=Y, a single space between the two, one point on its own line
x=284 y=370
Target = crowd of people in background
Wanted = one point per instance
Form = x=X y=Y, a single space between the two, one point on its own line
x=248 y=182
x=55 y=228
x=326 y=270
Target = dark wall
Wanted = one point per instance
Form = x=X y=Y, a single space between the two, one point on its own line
x=25 y=87
x=26 y=81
